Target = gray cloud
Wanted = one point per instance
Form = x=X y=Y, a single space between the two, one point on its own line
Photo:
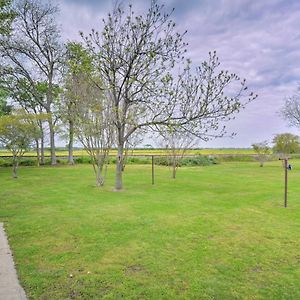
x=259 y=40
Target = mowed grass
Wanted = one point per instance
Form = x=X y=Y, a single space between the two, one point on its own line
x=217 y=232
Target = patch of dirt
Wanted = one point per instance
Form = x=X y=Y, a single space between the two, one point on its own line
x=256 y=269
x=134 y=269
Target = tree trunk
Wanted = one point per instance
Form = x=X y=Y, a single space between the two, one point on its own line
x=50 y=117
x=38 y=155
x=99 y=177
x=71 y=142
x=42 y=155
x=15 y=167
x=52 y=140
x=119 y=168
x=42 y=150
x=174 y=168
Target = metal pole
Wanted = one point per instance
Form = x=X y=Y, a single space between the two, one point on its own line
x=152 y=169
x=285 y=182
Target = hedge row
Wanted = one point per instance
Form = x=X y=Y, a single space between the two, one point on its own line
x=199 y=160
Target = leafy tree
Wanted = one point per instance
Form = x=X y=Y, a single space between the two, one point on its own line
x=263 y=151
x=137 y=57
x=285 y=144
x=23 y=94
x=7 y=16
x=17 y=134
x=34 y=52
x=5 y=109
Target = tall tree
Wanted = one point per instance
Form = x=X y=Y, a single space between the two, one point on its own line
x=34 y=52
x=86 y=110
x=291 y=110
x=285 y=144
x=5 y=108
x=78 y=75
x=6 y=17
x=137 y=57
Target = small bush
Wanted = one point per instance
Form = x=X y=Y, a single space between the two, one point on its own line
x=5 y=162
x=199 y=160
x=82 y=160
x=139 y=160
x=28 y=162
x=162 y=161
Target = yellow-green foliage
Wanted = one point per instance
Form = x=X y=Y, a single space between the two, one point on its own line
x=206 y=151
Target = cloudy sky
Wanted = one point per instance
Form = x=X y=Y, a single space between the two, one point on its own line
x=257 y=39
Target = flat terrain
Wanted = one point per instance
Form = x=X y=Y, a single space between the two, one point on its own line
x=216 y=232
x=147 y=152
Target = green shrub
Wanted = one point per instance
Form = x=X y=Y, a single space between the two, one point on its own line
x=199 y=160
x=82 y=160
x=5 y=162
x=28 y=162
x=138 y=160
x=162 y=161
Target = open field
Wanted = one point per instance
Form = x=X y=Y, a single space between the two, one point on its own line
x=216 y=232
x=148 y=152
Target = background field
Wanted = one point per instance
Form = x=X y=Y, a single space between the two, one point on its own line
x=82 y=152
x=216 y=232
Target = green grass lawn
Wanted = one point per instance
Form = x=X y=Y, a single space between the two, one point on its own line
x=217 y=232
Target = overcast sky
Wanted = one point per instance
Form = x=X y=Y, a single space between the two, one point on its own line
x=257 y=39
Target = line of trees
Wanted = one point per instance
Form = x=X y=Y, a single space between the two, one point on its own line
x=284 y=145
x=115 y=85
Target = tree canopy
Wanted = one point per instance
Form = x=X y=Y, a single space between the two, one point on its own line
x=286 y=143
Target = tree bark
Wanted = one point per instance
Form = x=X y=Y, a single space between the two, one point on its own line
x=42 y=162
x=174 y=168
x=71 y=142
x=50 y=118
x=119 y=168
x=38 y=155
x=52 y=141
x=99 y=178
x=15 y=167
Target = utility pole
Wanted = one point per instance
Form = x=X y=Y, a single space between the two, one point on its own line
x=286 y=168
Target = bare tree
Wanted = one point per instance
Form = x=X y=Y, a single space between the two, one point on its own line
x=263 y=151
x=33 y=51
x=131 y=143
x=88 y=110
x=137 y=56
x=176 y=143
x=291 y=110
x=94 y=130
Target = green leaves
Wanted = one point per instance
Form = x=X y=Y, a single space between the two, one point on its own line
x=7 y=16
x=286 y=143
